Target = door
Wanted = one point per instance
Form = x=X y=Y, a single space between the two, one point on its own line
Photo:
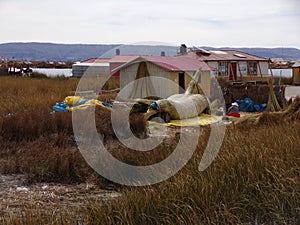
x=232 y=71
x=181 y=82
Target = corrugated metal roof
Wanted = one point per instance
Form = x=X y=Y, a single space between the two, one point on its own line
x=225 y=55
x=91 y=64
x=123 y=58
x=171 y=63
x=96 y=60
x=178 y=63
x=297 y=64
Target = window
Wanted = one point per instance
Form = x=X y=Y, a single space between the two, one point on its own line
x=243 y=68
x=223 y=69
x=252 y=68
x=239 y=55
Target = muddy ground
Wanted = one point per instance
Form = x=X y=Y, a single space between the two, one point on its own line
x=16 y=195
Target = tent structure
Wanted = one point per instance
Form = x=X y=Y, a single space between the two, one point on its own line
x=142 y=85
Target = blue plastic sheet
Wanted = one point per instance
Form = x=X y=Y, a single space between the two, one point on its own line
x=247 y=105
x=60 y=107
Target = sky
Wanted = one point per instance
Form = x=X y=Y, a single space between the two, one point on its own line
x=216 y=23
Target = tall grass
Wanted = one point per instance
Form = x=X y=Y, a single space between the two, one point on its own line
x=20 y=93
x=255 y=179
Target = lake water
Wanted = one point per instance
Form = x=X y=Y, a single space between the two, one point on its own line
x=282 y=72
x=52 y=72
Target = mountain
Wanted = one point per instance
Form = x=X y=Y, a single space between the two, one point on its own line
x=78 y=52
x=52 y=52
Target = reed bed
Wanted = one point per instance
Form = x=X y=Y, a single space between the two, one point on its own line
x=18 y=94
x=253 y=180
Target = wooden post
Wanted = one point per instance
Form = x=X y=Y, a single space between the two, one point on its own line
x=248 y=69
x=231 y=72
x=271 y=72
x=193 y=83
x=241 y=75
x=259 y=69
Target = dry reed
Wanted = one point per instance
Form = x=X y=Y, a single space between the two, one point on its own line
x=253 y=180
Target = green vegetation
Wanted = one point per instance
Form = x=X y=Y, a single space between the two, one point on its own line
x=253 y=180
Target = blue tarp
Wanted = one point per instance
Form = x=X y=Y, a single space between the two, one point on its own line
x=60 y=107
x=247 y=105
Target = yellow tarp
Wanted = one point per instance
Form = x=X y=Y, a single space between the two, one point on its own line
x=72 y=100
x=203 y=119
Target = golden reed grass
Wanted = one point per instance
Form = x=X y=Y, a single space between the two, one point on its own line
x=253 y=180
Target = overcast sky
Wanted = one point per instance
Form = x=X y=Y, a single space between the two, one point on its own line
x=218 y=23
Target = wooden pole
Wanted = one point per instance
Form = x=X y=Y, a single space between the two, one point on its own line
x=193 y=82
x=259 y=69
x=241 y=75
x=271 y=72
x=248 y=69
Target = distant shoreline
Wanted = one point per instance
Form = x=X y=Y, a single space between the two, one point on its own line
x=79 y=52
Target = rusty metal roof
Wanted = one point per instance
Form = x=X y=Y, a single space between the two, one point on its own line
x=179 y=63
x=224 y=55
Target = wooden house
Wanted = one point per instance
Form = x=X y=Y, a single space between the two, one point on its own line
x=234 y=65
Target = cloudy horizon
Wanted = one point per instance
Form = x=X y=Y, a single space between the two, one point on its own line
x=217 y=23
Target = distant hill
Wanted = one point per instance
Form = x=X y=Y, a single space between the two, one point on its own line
x=52 y=52
x=79 y=52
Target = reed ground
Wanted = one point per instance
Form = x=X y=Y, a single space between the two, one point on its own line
x=253 y=180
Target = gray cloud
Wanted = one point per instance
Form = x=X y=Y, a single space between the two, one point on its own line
x=195 y=22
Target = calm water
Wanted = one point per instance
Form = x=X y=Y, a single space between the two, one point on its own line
x=53 y=72
x=282 y=72
x=68 y=72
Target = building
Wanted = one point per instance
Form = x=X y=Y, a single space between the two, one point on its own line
x=175 y=71
x=91 y=67
x=231 y=65
x=234 y=65
x=296 y=73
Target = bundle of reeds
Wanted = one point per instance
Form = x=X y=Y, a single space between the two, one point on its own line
x=181 y=106
x=272 y=105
